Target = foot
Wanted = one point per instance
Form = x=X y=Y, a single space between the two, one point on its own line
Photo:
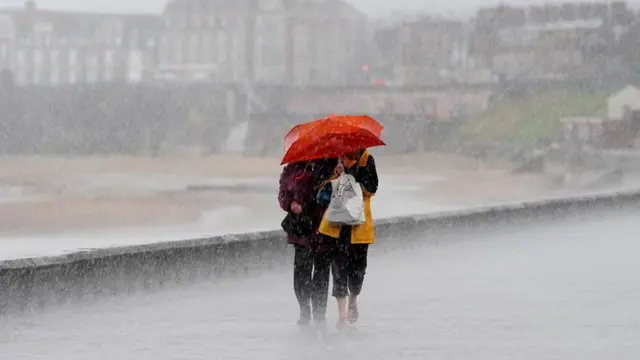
x=353 y=314
x=320 y=325
x=342 y=323
x=304 y=321
x=305 y=317
x=319 y=319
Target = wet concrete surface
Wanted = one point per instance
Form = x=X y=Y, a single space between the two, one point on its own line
x=557 y=291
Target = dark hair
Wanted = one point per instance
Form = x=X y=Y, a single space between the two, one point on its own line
x=355 y=155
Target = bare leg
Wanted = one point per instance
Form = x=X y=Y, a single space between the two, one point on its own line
x=357 y=270
x=340 y=270
x=342 y=311
x=352 y=315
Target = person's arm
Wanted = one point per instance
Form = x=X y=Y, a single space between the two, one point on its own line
x=284 y=196
x=367 y=176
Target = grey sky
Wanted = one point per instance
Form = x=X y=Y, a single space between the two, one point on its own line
x=372 y=7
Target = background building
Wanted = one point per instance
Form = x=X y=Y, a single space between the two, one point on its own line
x=268 y=41
x=50 y=48
x=551 y=41
x=425 y=51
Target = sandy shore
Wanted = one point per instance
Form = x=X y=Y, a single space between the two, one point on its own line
x=41 y=170
x=65 y=206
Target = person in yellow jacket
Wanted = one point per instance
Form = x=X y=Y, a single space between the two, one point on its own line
x=352 y=242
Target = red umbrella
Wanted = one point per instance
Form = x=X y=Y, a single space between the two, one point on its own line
x=331 y=137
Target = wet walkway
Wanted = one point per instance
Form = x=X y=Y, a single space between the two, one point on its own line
x=559 y=291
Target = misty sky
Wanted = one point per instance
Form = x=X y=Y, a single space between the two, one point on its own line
x=372 y=7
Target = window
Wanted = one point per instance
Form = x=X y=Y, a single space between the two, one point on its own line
x=271 y=42
x=166 y=54
x=221 y=51
x=193 y=47
x=135 y=66
x=207 y=49
x=177 y=51
x=54 y=76
x=22 y=77
x=92 y=75
x=37 y=57
x=73 y=57
x=92 y=61
x=133 y=41
x=21 y=58
x=54 y=56
x=108 y=57
x=135 y=75
x=37 y=76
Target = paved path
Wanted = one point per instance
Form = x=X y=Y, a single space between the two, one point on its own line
x=559 y=291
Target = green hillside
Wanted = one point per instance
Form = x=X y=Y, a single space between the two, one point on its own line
x=525 y=121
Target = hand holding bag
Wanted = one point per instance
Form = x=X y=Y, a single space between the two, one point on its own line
x=347 y=202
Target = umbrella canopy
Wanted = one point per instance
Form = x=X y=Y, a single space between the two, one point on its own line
x=331 y=137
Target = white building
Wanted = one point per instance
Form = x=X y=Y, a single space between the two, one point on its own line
x=627 y=99
x=266 y=41
x=50 y=48
x=7 y=34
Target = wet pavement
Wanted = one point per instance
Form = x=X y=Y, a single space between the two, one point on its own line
x=557 y=291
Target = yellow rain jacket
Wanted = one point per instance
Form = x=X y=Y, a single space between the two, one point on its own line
x=363 y=233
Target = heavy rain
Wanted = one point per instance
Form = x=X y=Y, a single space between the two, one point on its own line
x=319 y=179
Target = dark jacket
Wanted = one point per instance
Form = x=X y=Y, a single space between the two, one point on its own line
x=367 y=175
x=298 y=183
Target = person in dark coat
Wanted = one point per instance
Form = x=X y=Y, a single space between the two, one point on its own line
x=312 y=261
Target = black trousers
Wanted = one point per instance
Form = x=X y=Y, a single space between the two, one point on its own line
x=349 y=265
x=311 y=271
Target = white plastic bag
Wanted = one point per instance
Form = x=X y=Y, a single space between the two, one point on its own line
x=347 y=203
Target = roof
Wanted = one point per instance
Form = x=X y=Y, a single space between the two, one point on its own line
x=350 y=11
x=626 y=91
x=331 y=8
x=191 y=6
x=79 y=24
x=579 y=120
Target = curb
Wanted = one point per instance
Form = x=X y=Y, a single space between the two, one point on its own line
x=25 y=283
x=270 y=236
